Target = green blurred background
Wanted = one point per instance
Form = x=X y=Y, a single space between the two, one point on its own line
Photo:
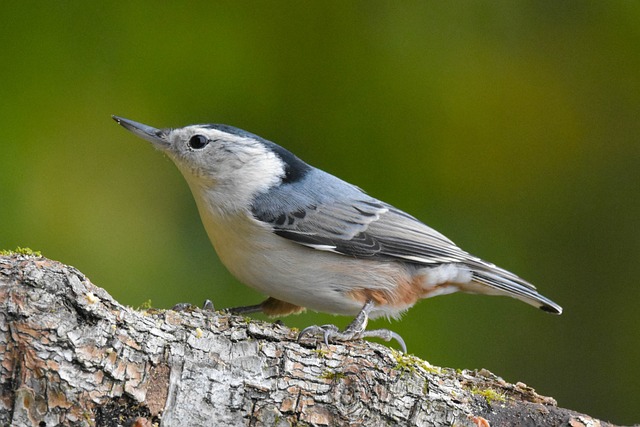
x=511 y=127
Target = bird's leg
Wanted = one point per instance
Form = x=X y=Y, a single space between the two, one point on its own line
x=271 y=307
x=247 y=309
x=184 y=306
x=208 y=306
x=355 y=330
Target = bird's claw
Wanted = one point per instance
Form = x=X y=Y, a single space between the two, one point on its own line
x=386 y=335
x=208 y=306
x=332 y=333
x=327 y=331
x=182 y=306
x=185 y=306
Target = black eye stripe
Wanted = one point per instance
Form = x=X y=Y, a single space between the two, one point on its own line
x=198 y=142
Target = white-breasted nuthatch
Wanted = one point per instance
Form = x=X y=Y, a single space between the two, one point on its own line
x=307 y=239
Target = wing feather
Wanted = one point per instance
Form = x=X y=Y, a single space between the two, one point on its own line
x=336 y=216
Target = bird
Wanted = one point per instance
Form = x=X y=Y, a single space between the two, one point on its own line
x=307 y=239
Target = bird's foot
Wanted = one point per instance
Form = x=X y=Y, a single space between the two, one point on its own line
x=185 y=306
x=355 y=330
x=331 y=333
x=327 y=331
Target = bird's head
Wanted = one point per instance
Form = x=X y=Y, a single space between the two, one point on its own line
x=224 y=164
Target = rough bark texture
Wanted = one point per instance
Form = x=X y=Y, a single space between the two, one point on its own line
x=71 y=355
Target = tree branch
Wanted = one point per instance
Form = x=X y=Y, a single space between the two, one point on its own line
x=71 y=355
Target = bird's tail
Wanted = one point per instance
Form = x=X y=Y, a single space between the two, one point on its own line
x=503 y=282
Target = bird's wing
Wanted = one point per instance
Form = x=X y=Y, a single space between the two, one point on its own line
x=333 y=215
x=340 y=218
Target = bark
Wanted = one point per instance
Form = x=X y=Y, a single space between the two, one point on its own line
x=72 y=355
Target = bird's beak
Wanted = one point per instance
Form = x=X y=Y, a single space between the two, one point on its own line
x=158 y=137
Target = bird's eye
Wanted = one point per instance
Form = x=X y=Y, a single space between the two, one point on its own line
x=198 y=142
